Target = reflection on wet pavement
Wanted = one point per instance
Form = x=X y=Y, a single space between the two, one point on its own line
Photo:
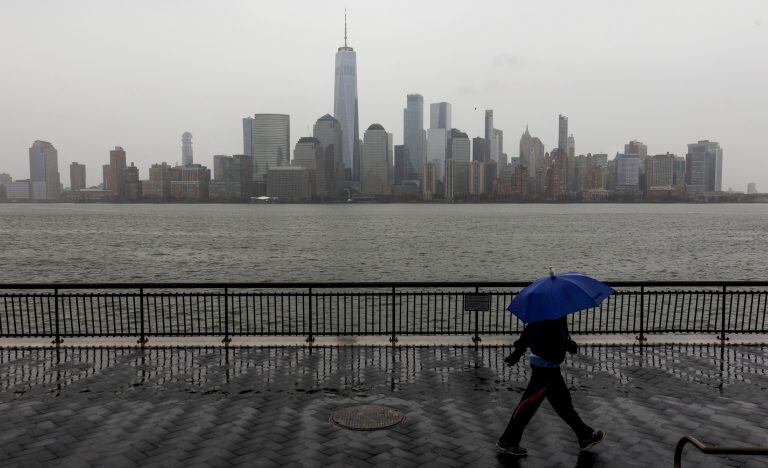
x=129 y=404
x=203 y=369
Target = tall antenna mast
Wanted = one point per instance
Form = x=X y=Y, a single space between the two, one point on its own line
x=345 y=27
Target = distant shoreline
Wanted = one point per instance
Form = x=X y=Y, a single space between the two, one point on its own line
x=402 y=202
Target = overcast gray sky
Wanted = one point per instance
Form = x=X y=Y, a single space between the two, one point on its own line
x=89 y=75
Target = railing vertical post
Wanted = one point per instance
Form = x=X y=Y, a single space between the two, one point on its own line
x=58 y=339
x=226 y=339
x=723 y=338
x=393 y=338
x=310 y=338
x=642 y=313
x=143 y=336
x=476 y=338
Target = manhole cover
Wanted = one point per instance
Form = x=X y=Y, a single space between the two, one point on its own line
x=367 y=417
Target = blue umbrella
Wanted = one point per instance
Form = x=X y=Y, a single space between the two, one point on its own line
x=556 y=296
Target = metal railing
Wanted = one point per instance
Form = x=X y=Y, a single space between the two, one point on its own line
x=334 y=309
x=713 y=449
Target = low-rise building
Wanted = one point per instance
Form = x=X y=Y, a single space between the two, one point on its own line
x=19 y=190
x=90 y=195
x=5 y=181
x=289 y=183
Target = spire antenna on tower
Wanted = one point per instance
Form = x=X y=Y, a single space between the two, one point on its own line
x=345 y=27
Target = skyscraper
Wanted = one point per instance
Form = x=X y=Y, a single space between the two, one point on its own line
x=478 y=149
x=704 y=167
x=345 y=107
x=460 y=146
x=573 y=177
x=5 y=182
x=440 y=115
x=220 y=162
x=77 y=176
x=457 y=166
x=401 y=164
x=497 y=144
x=532 y=157
x=270 y=142
x=186 y=149
x=627 y=173
x=414 y=136
x=376 y=175
x=438 y=135
x=437 y=148
x=117 y=166
x=488 y=133
x=132 y=183
x=638 y=148
x=44 y=171
x=308 y=154
x=562 y=133
x=248 y=136
x=327 y=130
x=557 y=176
x=428 y=181
x=527 y=156
x=660 y=171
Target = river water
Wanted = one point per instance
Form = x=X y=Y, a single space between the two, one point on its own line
x=371 y=242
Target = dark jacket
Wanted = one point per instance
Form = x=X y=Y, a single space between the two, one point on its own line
x=548 y=339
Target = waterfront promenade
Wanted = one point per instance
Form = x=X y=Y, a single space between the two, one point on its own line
x=250 y=406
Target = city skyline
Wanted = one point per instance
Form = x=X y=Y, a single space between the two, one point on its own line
x=602 y=132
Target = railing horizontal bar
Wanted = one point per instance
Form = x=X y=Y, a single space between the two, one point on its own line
x=366 y=285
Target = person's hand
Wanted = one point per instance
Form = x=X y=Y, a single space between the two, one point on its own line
x=570 y=346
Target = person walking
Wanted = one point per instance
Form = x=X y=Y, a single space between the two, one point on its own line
x=548 y=340
x=543 y=307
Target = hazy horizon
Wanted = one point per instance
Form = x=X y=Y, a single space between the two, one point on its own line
x=90 y=75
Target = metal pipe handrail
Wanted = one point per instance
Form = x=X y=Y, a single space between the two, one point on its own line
x=366 y=284
x=713 y=449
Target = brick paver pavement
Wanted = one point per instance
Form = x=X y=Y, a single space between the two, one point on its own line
x=271 y=406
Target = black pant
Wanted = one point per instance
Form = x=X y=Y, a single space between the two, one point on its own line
x=544 y=382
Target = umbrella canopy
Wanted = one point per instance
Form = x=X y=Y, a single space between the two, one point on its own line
x=556 y=296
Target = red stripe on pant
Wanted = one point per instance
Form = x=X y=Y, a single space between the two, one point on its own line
x=530 y=400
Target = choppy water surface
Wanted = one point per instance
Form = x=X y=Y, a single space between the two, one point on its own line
x=361 y=242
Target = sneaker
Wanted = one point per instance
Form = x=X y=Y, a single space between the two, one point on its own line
x=514 y=450
x=591 y=440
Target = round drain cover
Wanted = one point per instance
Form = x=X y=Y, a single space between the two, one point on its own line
x=367 y=417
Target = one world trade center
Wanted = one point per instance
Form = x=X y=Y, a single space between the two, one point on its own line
x=345 y=107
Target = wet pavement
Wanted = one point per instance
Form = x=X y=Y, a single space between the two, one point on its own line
x=271 y=406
